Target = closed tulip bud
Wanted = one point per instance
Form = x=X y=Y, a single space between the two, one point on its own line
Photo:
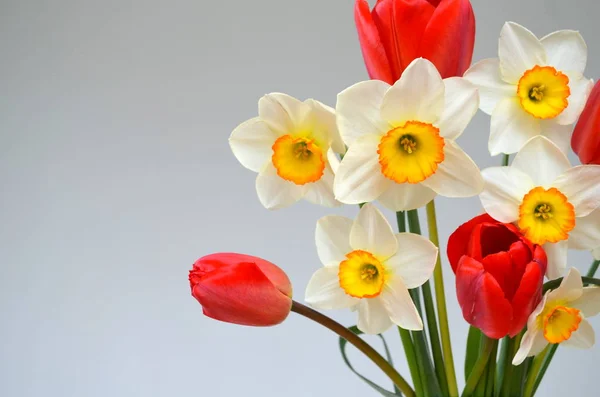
x=241 y=289
x=396 y=32
x=586 y=137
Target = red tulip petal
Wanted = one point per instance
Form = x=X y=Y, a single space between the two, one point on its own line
x=372 y=48
x=586 y=136
x=458 y=243
x=241 y=294
x=527 y=296
x=496 y=237
x=449 y=38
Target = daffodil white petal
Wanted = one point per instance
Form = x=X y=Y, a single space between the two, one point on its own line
x=324 y=291
x=519 y=50
x=400 y=306
x=581 y=185
x=583 y=338
x=503 y=192
x=406 y=196
x=371 y=232
x=570 y=288
x=333 y=160
x=532 y=343
x=580 y=91
x=282 y=112
x=589 y=302
x=333 y=239
x=542 y=160
x=415 y=259
x=557 y=258
x=560 y=135
x=324 y=126
x=321 y=191
x=461 y=104
x=251 y=143
x=457 y=175
x=359 y=178
x=417 y=95
x=511 y=127
x=275 y=192
x=358 y=110
x=492 y=89
x=566 y=50
x=372 y=317
x=586 y=234
x=532 y=320
x=596 y=253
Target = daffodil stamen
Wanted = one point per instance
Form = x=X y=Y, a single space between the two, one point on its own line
x=362 y=275
x=543 y=92
x=546 y=216
x=408 y=143
x=298 y=159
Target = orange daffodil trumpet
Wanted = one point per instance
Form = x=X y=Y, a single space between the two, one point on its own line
x=400 y=139
x=291 y=145
x=549 y=201
x=536 y=87
x=561 y=318
x=370 y=269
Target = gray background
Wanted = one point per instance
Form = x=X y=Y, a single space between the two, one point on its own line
x=116 y=175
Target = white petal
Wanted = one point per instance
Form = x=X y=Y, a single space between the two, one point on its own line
x=492 y=89
x=581 y=185
x=325 y=125
x=324 y=291
x=519 y=50
x=358 y=110
x=511 y=127
x=583 y=338
x=596 y=253
x=333 y=239
x=566 y=50
x=275 y=192
x=406 y=196
x=372 y=317
x=415 y=260
x=589 y=302
x=570 y=288
x=371 y=232
x=460 y=105
x=532 y=320
x=586 y=234
x=560 y=135
x=457 y=175
x=532 y=343
x=418 y=95
x=400 y=306
x=503 y=192
x=282 y=112
x=359 y=178
x=542 y=160
x=333 y=160
x=321 y=191
x=580 y=91
x=251 y=143
x=557 y=258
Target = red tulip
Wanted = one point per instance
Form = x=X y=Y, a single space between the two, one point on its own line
x=398 y=31
x=241 y=289
x=586 y=137
x=499 y=275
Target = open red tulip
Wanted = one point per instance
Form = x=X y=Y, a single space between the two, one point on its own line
x=499 y=275
x=396 y=32
x=586 y=137
x=241 y=289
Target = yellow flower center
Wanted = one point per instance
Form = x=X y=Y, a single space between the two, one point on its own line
x=546 y=216
x=558 y=322
x=362 y=275
x=543 y=92
x=411 y=153
x=298 y=159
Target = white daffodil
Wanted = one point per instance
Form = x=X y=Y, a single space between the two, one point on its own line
x=370 y=269
x=561 y=318
x=401 y=139
x=550 y=202
x=536 y=87
x=289 y=144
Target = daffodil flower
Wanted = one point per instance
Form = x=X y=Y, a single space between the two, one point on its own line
x=561 y=318
x=550 y=202
x=291 y=145
x=370 y=269
x=535 y=87
x=401 y=139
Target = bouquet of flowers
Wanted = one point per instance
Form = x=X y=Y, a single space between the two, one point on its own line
x=393 y=140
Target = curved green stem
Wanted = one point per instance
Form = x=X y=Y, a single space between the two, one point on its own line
x=505 y=159
x=480 y=365
x=533 y=373
x=553 y=284
x=360 y=344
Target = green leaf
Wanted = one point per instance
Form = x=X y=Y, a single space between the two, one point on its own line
x=381 y=390
x=473 y=342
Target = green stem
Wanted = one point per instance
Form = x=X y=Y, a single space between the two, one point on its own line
x=505 y=350
x=411 y=358
x=360 y=344
x=491 y=377
x=480 y=365
x=508 y=367
x=533 y=373
x=505 y=159
x=434 y=338
x=440 y=298
x=556 y=282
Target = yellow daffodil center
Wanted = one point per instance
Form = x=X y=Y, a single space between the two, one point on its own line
x=298 y=159
x=362 y=275
x=546 y=216
x=543 y=92
x=411 y=153
x=558 y=322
